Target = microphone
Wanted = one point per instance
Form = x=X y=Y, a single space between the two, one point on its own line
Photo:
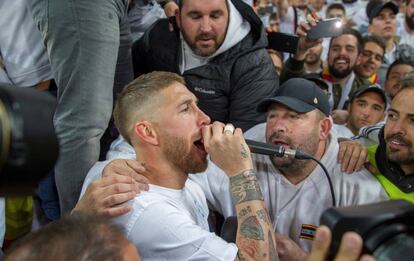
x=275 y=150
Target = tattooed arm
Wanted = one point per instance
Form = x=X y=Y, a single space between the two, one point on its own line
x=255 y=236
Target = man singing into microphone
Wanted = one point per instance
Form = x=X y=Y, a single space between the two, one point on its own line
x=295 y=192
x=172 y=136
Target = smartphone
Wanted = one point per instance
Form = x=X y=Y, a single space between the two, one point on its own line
x=283 y=42
x=326 y=28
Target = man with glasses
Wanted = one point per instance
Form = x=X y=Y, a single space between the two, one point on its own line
x=371 y=58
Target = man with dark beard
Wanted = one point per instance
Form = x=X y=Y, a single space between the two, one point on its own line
x=392 y=161
x=220 y=49
x=313 y=62
x=342 y=57
x=406 y=27
x=171 y=137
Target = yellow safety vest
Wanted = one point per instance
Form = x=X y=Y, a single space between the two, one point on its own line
x=393 y=191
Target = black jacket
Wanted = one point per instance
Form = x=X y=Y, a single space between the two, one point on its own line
x=231 y=85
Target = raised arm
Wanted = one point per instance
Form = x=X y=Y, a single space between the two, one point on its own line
x=228 y=150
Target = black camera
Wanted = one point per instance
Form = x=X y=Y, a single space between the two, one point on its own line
x=387 y=228
x=28 y=143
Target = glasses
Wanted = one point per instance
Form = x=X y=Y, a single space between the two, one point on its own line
x=373 y=55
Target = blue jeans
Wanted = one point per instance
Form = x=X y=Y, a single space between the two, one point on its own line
x=48 y=197
x=83 y=39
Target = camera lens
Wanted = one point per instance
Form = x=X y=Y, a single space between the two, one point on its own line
x=399 y=247
x=28 y=143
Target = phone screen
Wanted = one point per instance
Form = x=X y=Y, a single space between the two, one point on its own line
x=326 y=28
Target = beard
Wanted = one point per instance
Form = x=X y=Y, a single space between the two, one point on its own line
x=312 y=58
x=340 y=74
x=409 y=21
x=398 y=156
x=308 y=143
x=200 y=50
x=175 y=150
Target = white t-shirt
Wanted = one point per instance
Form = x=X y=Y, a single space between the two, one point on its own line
x=342 y=131
x=170 y=224
x=22 y=50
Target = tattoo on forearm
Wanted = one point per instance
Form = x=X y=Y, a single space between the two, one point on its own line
x=245 y=211
x=251 y=228
x=262 y=214
x=255 y=229
x=244 y=187
x=244 y=152
x=250 y=249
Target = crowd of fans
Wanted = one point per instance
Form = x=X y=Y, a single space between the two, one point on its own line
x=155 y=98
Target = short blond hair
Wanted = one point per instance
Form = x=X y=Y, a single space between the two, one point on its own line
x=136 y=99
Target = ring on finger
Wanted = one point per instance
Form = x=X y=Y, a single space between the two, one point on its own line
x=229 y=128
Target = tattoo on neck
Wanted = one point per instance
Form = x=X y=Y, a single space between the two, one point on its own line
x=244 y=187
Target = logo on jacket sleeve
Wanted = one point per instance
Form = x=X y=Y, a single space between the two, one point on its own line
x=202 y=90
x=308 y=231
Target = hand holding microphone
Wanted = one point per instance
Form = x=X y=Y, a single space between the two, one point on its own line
x=227 y=148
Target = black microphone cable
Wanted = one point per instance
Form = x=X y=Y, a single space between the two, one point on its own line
x=280 y=151
x=328 y=177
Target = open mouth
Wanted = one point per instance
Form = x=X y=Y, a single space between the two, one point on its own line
x=200 y=145
x=397 y=142
x=341 y=62
x=281 y=143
